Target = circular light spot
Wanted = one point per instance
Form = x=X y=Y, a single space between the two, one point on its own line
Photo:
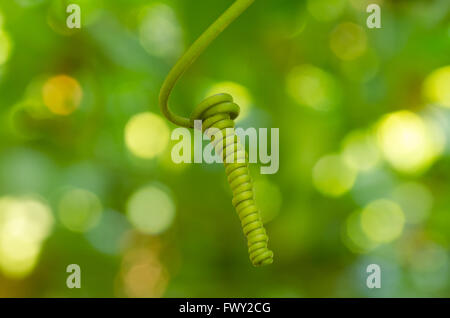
x=160 y=32
x=5 y=47
x=312 y=87
x=18 y=256
x=62 y=94
x=151 y=210
x=24 y=224
x=326 y=10
x=268 y=198
x=146 y=135
x=333 y=176
x=360 y=151
x=415 y=199
x=409 y=143
x=240 y=95
x=348 y=41
x=79 y=210
x=142 y=274
x=109 y=235
x=354 y=237
x=382 y=221
x=436 y=87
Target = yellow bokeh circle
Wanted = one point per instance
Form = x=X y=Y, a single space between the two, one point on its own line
x=382 y=221
x=62 y=94
x=348 y=41
x=408 y=142
x=151 y=210
x=437 y=87
x=333 y=176
x=146 y=135
x=79 y=210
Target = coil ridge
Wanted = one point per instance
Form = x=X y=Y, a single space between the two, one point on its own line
x=217 y=114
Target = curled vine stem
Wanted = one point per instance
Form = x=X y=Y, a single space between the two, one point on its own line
x=196 y=49
x=219 y=111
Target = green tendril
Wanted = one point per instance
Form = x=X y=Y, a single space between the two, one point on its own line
x=192 y=54
x=219 y=112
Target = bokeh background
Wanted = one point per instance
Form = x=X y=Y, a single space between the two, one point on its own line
x=86 y=175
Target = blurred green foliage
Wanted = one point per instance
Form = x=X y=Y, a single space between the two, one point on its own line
x=86 y=176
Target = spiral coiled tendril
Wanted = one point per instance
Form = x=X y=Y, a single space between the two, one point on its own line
x=217 y=114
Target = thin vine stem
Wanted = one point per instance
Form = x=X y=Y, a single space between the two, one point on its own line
x=196 y=49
